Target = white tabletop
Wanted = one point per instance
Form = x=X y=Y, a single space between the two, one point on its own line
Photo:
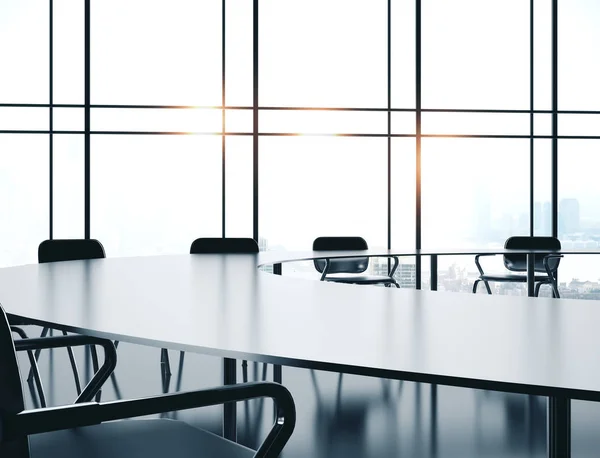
x=222 y=305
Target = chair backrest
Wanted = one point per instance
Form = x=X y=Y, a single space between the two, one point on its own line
x=518 y=262
x=348 y=265
x=208 y=245
x=11 y=394
x=70 y=250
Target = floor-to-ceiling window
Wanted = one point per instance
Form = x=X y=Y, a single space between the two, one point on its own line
x=413 y=123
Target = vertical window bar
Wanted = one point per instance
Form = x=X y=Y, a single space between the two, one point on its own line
x=223 y=206
x=51 y=121
x=389 y=125
x=555 y=118
x=255 y=121
x=87 y=118
x=531 y=123
x=418 y=140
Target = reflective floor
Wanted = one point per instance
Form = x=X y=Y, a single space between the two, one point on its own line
x=342 y=415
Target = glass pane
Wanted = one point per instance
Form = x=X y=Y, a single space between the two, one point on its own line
x=238 y=53
x=469 y=60
x=239 y=187
x=239 y=120
x=68 y=51
x=542 y=187
x=68 y=187
x=69 y=119
x=481 y=185
x=314 y=186
x=578 y=67
x=150 y=54
x=154 y=194
x=403 y=85
x=403 y=192
x=24 y=51
x=19 y=118
x=542 y=124
x=330 y=122
x=157 y=120
x=578 y=216
x=475 y=123
x=579 y=124
x=404 y=122
x=323 y=54
x=542 y=54
x=24 y=178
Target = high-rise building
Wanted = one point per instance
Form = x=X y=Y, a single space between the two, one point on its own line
x=406 y=275
x=542 y=218
x=568 y=216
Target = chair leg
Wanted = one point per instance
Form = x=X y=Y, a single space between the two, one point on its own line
x=74 y=367
x=95 y=367
x=555 y=289
x=536 y=293
x=31 y=375
x=264 y=374
x=164 y=360
x=245 y=371
x=34 y=367
x=37 y=354
x=487 y=286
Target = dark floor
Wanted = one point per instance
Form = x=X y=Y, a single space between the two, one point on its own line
x=344 y=416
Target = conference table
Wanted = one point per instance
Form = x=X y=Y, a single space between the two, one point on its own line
x=224 y=305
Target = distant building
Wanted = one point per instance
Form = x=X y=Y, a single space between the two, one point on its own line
x=542 y=218
x=406 y=275
x=568 y=216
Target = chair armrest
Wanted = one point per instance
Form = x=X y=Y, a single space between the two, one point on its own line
x=477 y=256
x=108 y=366
x=85 y=414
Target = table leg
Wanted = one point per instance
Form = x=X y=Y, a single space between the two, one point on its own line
x=530 y=274
x=277 y=376
x=434 y=272
x=229 y=408
x=434 y=421
x=559 y=427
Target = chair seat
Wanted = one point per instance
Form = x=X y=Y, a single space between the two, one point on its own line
x=362 y=279
x=514 y=278
x=135 y=438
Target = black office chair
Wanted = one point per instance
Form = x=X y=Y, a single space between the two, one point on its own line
x=349 y=270
x=547 y=264
x=86 y=428
x=66 y=250
x=216 y=245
